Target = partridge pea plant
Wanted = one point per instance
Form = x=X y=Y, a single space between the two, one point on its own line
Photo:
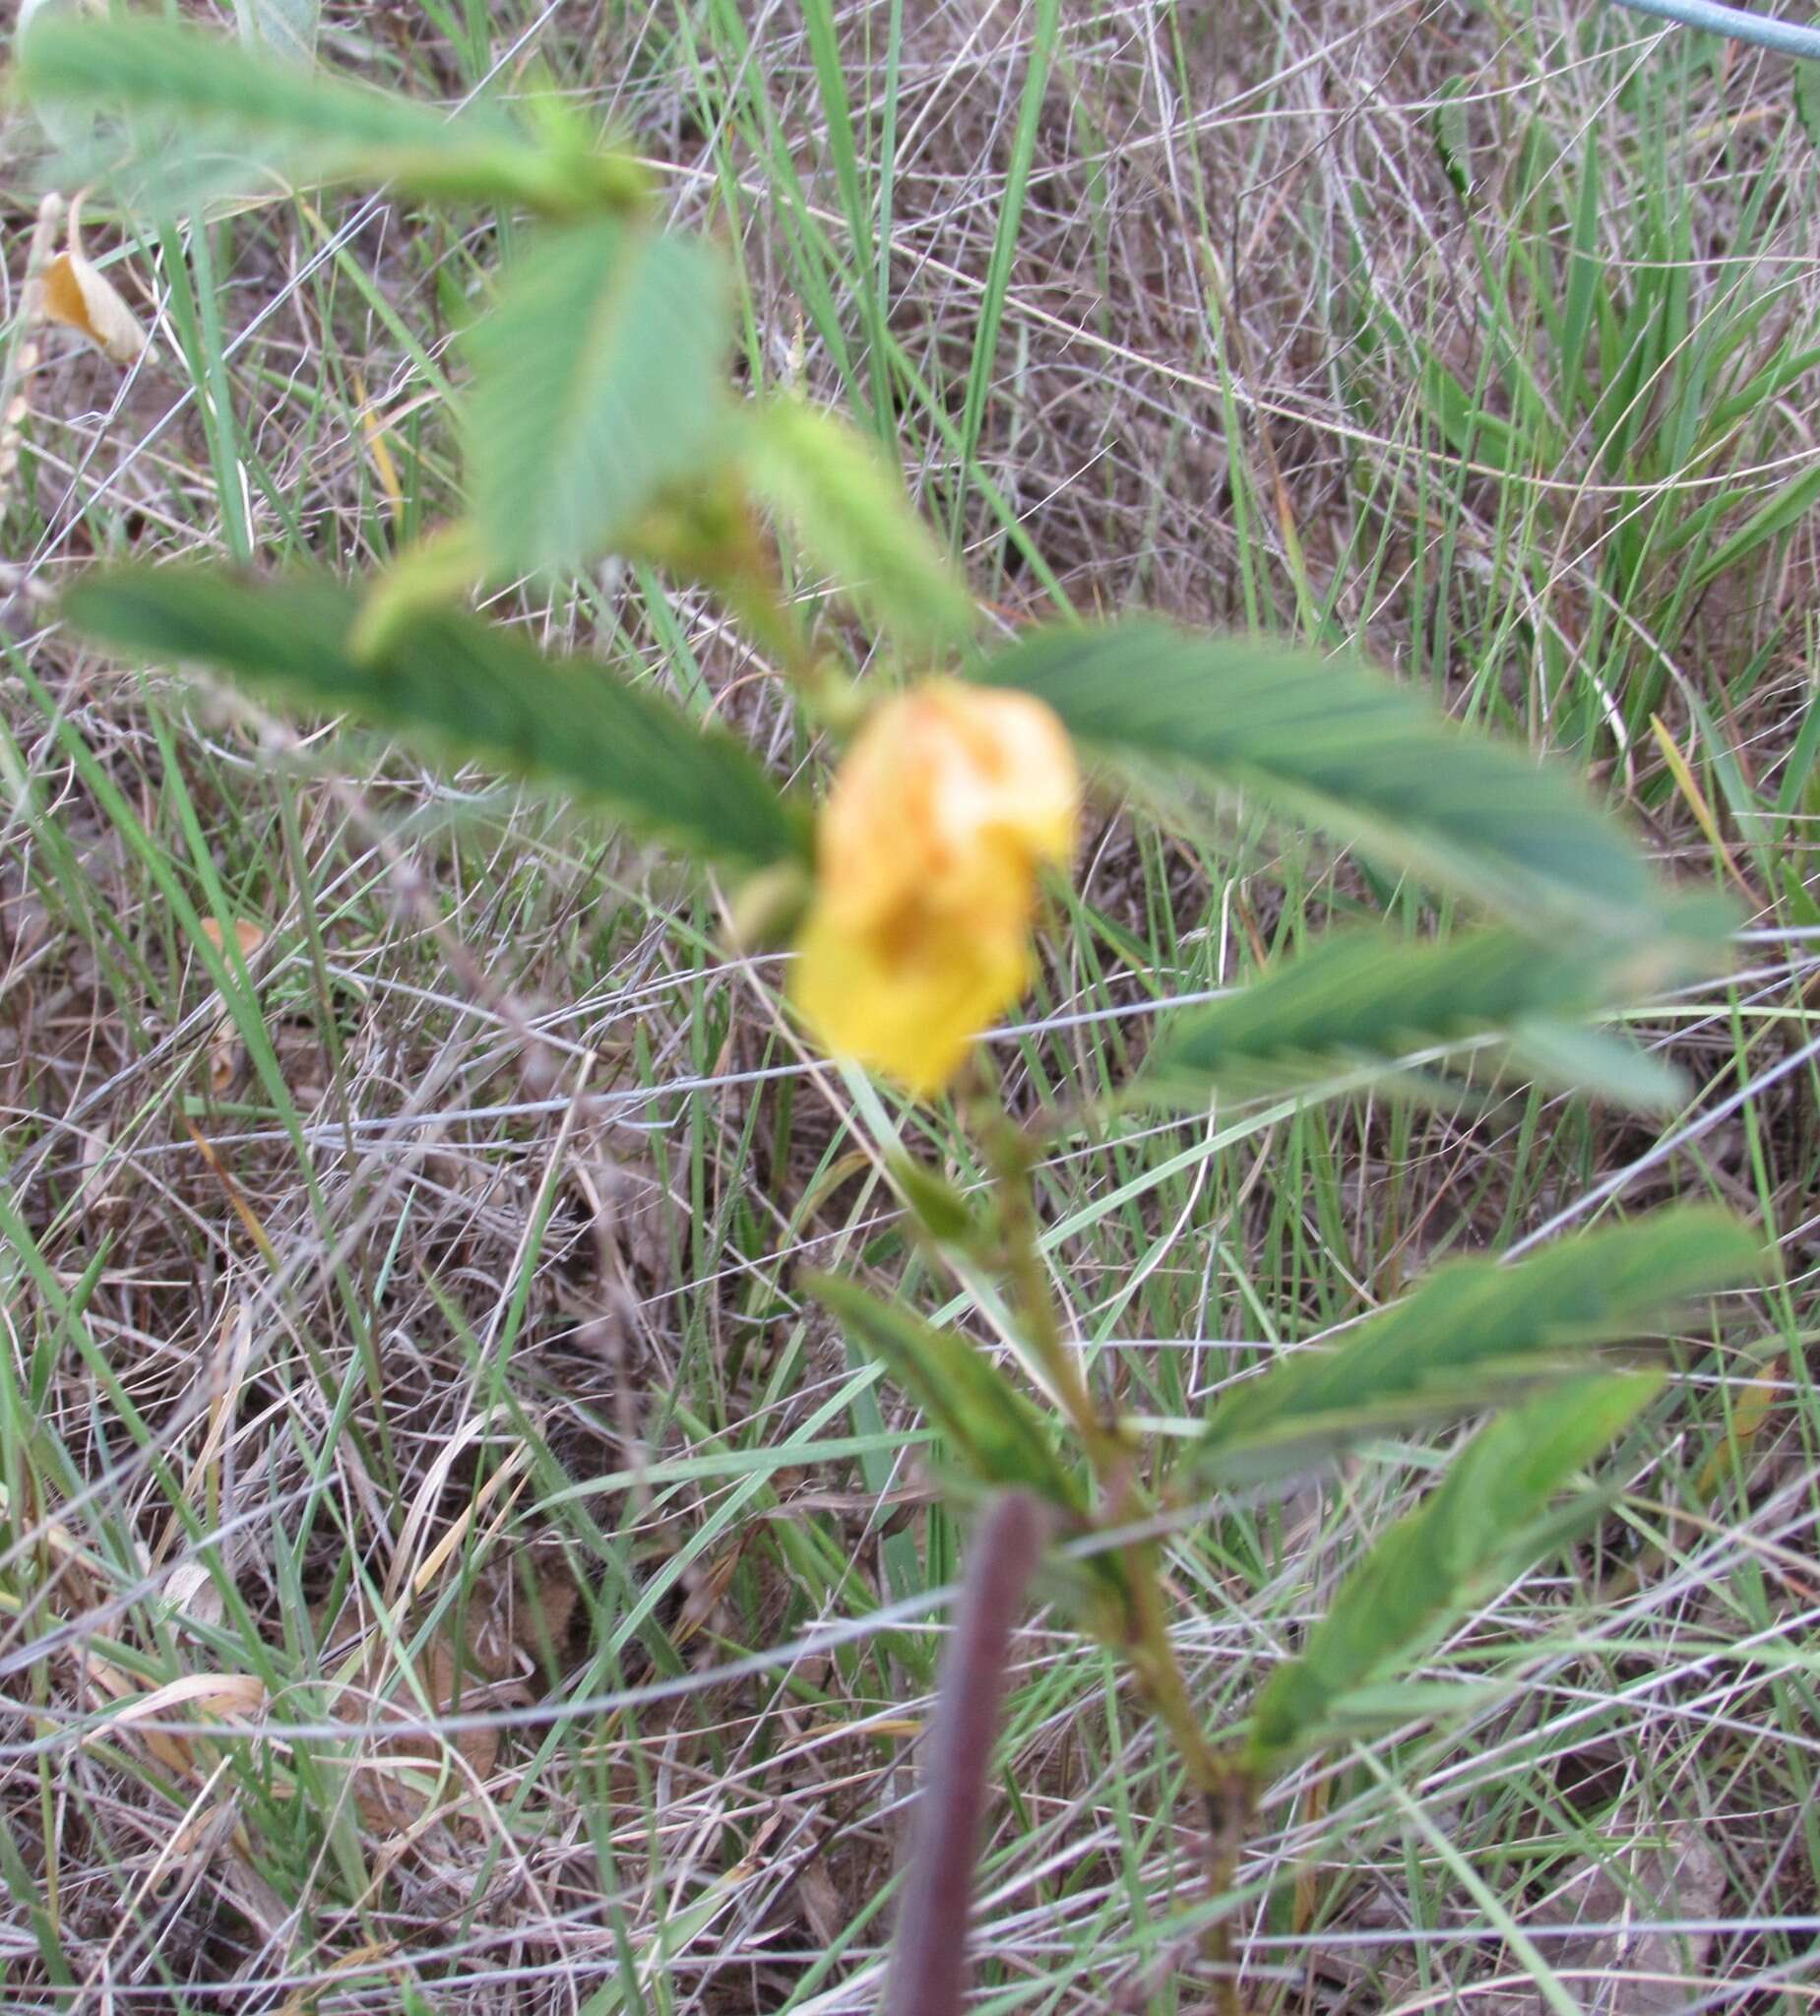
x=597 y=418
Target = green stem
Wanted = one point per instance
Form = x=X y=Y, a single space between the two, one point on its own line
x=1009 y=1151
x=1226 y=1791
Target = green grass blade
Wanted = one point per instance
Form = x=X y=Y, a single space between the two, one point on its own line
x=1010 y=219
x=1786 y=509
x=870 y=256
x=600 y=379
x=470 y=687
x=1452 y=136
x=1584 y=277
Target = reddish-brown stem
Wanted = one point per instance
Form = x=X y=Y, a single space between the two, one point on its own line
x=928 y=1963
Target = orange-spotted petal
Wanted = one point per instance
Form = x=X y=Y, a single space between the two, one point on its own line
x=927 y=851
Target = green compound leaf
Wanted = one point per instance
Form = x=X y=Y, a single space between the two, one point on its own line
x=600 y=380
x=850 y=511
x=66 y=127
x=470 y=687
x=1329 y=741
x=1360 y=1002
x=1483 y=1524
x=966 y=1396
x=288 y=28
x=189 y=112
x=1468 y=1336
x=1565 y=1057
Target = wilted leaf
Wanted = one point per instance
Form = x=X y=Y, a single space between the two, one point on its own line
x=399 y=1762
x=600 y=379
x=105 y=1172
x=1645 y=1969
x=192 y=1593
x=227 y=1059
x=1330 y=740
x=1470 y=1335
x=850 y=512
x=469 y=686
x=106 y=1683
x=541 y=1621
x=1483 y=1524
x=224 y=1696
x=514 y=1628
x=79 y=295
x=248 y=935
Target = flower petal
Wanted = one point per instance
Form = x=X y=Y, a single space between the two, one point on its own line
x=944 y=785
x=911 y=1018
x=928 y=850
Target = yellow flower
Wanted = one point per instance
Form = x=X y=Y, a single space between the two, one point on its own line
x=927 y=850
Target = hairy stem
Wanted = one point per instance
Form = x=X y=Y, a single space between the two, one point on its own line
x=1107 y=1450
x=928 y=1961
x=1224 y=1792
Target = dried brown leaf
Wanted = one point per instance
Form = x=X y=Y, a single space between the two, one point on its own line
x=223 y=1695
x=503 y=1636
x=80 y=296
x=1641 y=1970
x=226 y=1052
x=390 y=1780
x=247 y=935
